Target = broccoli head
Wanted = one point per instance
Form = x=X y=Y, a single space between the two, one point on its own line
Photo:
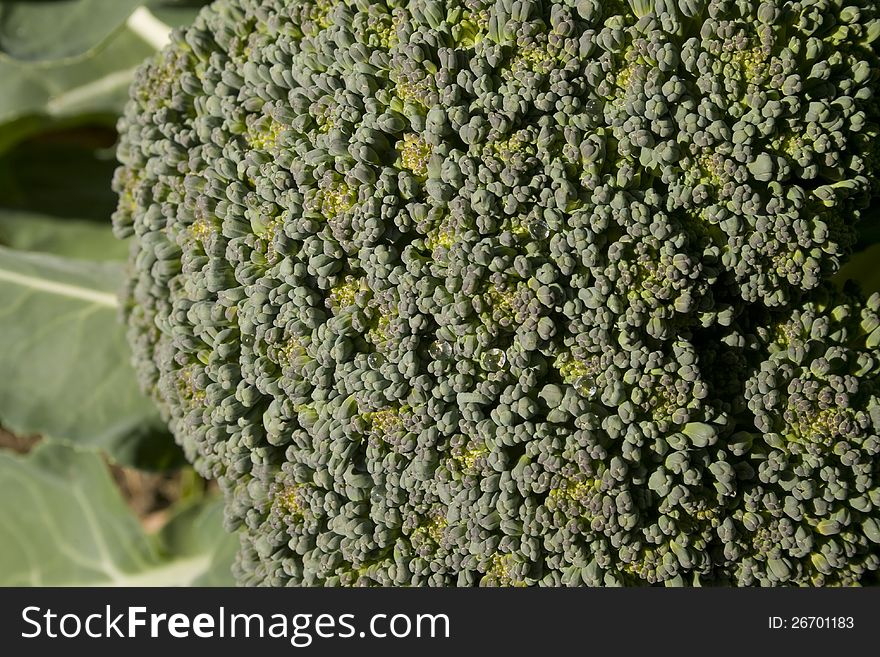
x=515 y=292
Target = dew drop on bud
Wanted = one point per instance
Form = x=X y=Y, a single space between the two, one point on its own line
x=375 y=360
x=586 y=387
x=539 y=230
x=493 y=360
x=593 y=106
x=440 y=350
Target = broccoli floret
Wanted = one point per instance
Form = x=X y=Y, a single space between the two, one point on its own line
x=807 y=515
x=517 y=292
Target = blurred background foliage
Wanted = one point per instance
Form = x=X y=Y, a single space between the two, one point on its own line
x=94 y=490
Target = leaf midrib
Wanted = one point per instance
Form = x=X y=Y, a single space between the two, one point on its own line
x=104 y=299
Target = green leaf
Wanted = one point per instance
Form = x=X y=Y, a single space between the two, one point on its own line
x=197 y=530
x=177 y=13
x=65 y=524
x=59 y=29
x=65 y=360
x=72 y=238
x=33 y=95
x=863 y=268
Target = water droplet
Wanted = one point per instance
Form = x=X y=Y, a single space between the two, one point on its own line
x=539 y=230
x=592 y=106
x=586 y=386
x=375 y=360
x=493 y=360
x=440 y=350
x=247 y=340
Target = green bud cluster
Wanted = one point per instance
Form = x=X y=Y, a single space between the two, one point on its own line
x=515 y=292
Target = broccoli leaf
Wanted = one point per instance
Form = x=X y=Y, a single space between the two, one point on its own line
x=176 y=13
x=92 y=87
x=863 y=268
x=65 y=524
x=65 y=363
x=61 y=29
x=197 y=531
x=73 y=238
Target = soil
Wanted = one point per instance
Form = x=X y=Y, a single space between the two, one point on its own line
x=17 y=444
